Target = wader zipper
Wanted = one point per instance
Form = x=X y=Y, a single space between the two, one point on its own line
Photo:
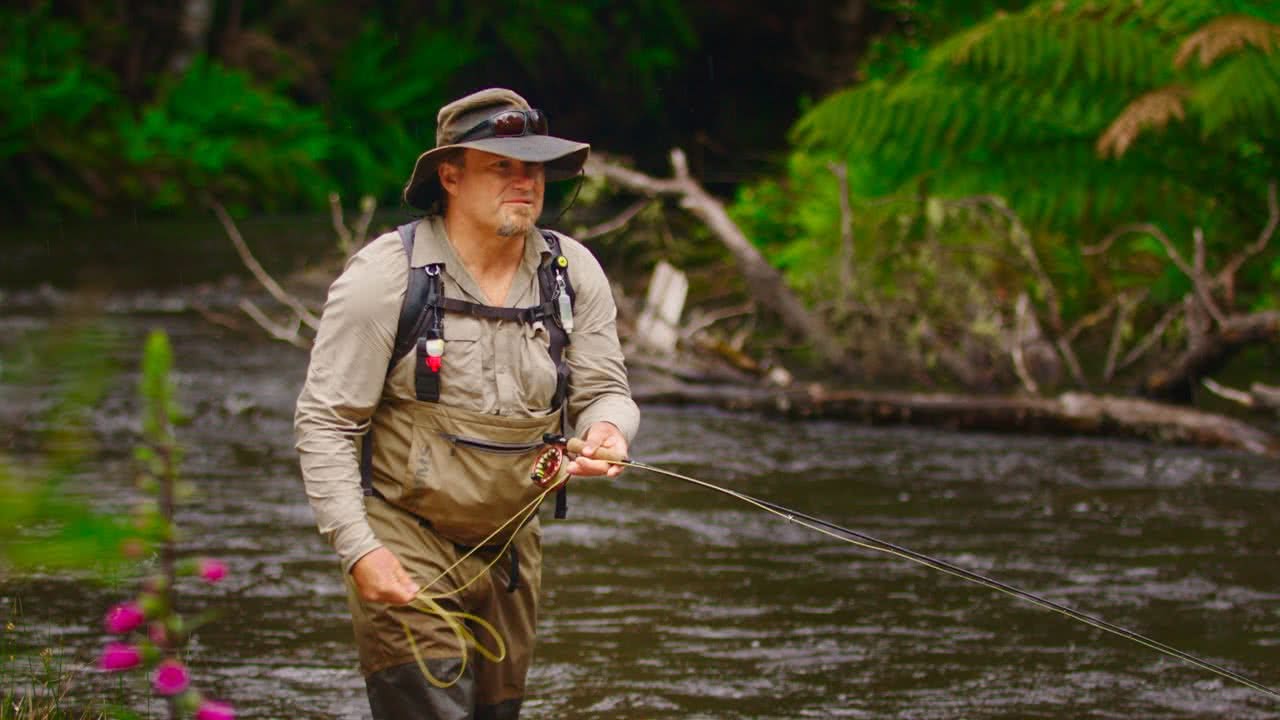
x=492 y=446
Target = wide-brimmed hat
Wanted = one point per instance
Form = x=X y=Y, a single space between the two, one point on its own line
x=469 y=123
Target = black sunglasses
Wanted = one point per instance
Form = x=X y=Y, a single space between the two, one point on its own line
x=508 y=123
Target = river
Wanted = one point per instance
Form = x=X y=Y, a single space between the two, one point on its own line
x=662 y=599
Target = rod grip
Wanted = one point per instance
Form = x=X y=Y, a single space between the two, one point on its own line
x=575 y=445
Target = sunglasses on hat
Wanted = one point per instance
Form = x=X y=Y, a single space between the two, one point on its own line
x=508 y=123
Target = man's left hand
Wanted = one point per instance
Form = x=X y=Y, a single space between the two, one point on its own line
x=601 y=435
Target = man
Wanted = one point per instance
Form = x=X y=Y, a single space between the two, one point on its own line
x=418 y=466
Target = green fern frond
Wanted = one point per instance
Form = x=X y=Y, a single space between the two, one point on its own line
x=1244 y=91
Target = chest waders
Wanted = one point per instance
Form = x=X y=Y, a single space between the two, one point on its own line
x=441 y=481
x=461 y=472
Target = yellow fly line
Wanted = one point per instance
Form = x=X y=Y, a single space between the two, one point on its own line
x=428 y=602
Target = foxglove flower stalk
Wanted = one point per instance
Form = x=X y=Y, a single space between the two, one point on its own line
x=124 y=618
x=211 y=710
x=212 y=570
x=119 y=656
x=170 y=678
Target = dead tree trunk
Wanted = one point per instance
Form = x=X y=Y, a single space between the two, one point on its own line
x=1209 y=352
x=1077 y=414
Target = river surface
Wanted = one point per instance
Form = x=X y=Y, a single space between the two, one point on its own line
x=662 y=599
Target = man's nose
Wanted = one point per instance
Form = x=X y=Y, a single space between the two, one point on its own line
x=527 y=173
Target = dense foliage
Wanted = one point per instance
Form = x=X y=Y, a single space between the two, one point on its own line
x=274 y=106
x=1081 y=116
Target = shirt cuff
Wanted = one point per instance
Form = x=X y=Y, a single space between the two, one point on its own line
x=354 y=542
x=616 y=409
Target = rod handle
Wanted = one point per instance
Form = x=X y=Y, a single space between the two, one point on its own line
x=575 y=445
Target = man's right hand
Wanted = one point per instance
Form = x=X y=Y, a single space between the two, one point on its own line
x=380 y=577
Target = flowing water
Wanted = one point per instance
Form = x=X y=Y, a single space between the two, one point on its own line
x=666 y=600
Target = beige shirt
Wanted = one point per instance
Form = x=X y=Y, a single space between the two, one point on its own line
x=489 y=366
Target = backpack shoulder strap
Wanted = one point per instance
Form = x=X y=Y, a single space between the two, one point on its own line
x=553 y=242
x=551 y=276
x=415 y=298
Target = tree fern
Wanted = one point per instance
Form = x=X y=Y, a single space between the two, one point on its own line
x=1053 y=79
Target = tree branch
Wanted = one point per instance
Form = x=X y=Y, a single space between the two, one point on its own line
x=1128 y=304
x=1237 y=396
x=1150 y=338
x=618 y=222
x=276 y=330
x=264 y=278
x=1022 y=241
x=1021 y=309
x=763 y=281
x=841 y=171
x=1227 y=277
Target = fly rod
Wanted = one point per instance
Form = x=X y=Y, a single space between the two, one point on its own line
x=575 y=445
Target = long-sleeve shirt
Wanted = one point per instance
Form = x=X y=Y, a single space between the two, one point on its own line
x=489 y=366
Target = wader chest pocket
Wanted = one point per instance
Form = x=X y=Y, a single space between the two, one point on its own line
x=470 y=472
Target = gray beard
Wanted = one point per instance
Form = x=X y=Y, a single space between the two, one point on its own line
x=511 y=229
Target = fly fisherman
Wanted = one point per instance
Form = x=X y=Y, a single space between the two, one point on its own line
x=447 y=350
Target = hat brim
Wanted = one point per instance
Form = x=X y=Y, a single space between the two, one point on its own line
x=561 y=159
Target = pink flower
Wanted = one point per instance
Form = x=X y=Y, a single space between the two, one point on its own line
x=171 y=678
x=123 y=618
x=212 y=570
x=210 y=710
x=119 y=656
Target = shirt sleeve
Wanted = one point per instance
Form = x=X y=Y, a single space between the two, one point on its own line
x=598 y=388
x=344 y=383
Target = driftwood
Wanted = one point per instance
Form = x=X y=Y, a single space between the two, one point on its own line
x=1068 y=414
x=1210 y=351
x=1259 y=396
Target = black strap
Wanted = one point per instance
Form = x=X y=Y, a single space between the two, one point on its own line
x=366 y=464
x=415 y=300
x=526 y=315
x=550 y=274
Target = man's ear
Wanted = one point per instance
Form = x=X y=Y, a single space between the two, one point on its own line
x=449 y=174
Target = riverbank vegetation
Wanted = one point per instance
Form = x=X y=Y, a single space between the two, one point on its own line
x=48 y=526
x=1017 y=197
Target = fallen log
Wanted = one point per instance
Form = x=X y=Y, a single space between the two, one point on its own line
x=1071 y=413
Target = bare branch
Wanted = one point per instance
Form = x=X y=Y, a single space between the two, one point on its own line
x=705 y=320
x=1128 y=304
x=230 y=322
x=618 y=222
x=1150 y=338
x=763 y=281
x=368 y=204
x=1226 y=277
x=345 y=243
x=1022 y=241
x=841 y=171
x=264 y=278
x=1118 y=233
x=1231 y=394
x=1195 y=273
x=276 y=330
x=1022 y=309
x=351 y=239
x=1073 y=363
x=1201 y=281
x=1092 y=318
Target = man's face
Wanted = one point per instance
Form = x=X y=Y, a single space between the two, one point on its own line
x=496 y=193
